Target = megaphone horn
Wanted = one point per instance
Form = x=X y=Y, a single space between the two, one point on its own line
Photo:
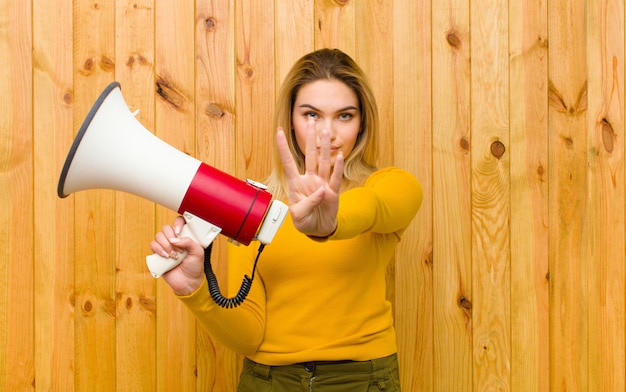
x=112 y=150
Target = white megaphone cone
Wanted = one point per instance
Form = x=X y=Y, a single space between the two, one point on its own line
x=114 y=151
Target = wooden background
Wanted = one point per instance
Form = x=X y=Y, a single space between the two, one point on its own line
x=511 y=114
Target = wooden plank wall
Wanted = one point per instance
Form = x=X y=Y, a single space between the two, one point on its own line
x=511 y=114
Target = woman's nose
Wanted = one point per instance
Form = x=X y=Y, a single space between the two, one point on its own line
x=328 y=125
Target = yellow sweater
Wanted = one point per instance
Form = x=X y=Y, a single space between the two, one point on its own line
x=313 y=300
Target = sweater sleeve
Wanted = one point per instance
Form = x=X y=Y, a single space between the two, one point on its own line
x=386 y=203
x=242 y=328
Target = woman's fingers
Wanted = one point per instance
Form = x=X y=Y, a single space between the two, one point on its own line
x=289 y=164
x=162 y=245
x=325 y=162
x=310 y=157
x=337 y=176
x=179 y=222
x=165 y=243
x=158 y=249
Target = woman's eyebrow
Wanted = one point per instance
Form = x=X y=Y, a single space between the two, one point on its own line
x=306 y=105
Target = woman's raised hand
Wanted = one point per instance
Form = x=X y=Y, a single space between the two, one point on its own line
x=313 y=196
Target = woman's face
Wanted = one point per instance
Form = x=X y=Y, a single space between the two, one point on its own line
x=334 y=107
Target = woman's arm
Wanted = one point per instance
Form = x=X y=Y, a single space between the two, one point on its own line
x=386 y=203
x=242 y=328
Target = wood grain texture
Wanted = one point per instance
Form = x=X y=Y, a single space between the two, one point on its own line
x=567 y=178
x=16 y=198
x=255 y=94
x=94 y=211
x=529 y=196
x=335 y=25
x=294 y=34
x=53 y=217
x=452 y=274
x=412 y=151
x=490 y=178
x=605 y=157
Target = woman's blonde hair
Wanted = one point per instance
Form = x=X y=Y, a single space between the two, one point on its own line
x=327 y=64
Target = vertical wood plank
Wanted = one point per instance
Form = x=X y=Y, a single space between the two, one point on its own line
x=53 y=218
x=568 y=195
x=175 y=124
x=293 y=36
x=529 y=196
x=413 y=152
x=255 y=86
x=452 y=252
x=94 y=263
x=374 y=53
x=605 y=157
x=490 y=196
x=135 y=297
x=215 y=142
x=16 y=197
x=335 y=25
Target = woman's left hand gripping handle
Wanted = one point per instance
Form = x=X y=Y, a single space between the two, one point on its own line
x=169 y=244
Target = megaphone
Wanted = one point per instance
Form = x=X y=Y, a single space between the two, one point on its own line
x=112 y=150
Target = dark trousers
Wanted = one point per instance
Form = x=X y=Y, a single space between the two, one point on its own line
x=337 y=376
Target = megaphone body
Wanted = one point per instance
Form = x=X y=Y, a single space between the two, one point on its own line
x=112 y=150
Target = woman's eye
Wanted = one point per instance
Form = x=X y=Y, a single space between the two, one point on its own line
x=310 y=114
x=345 y=116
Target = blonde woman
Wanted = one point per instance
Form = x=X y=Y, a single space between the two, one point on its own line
x=316 y=317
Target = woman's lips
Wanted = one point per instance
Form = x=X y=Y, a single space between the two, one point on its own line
x=332 y=149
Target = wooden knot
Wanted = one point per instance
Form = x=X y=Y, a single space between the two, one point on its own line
x=88 y=67
x=68 y=97
x=428 y=260
x=166 y=91
x=107 y=63
x=87 y=307
x=497 y=149
x=465 y=303
x=608 y=136
x=214 y=110
x=568 y=141
x=210 y=24
x=465 y=145
x=453 y=39
x=137 y=59
x=147 y=304
x=248 y=71
x=540 y=172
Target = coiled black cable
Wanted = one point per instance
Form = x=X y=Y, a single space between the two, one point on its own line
x=214 y=289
